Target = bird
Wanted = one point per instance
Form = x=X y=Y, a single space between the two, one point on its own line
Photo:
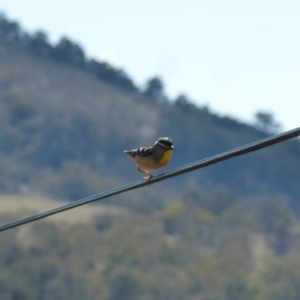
x=152 y=158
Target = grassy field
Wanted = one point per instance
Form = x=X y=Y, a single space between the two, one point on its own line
x=22 y=206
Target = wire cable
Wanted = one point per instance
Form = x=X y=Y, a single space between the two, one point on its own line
x=269 y=141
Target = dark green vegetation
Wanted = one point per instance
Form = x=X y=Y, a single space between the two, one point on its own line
x=189 y=250
x=224 y=232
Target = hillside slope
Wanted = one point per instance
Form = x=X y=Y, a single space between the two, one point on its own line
x=63 y=132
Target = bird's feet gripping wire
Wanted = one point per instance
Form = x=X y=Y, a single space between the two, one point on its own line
x=145 y=178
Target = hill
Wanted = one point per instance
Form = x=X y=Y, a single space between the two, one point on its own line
x=64 y=130
x=226 y=232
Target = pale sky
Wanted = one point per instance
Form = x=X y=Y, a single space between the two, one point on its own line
x=237 y=57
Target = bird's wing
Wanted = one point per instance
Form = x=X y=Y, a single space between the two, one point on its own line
x=144 y=152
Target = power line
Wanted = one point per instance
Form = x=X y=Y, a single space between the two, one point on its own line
x=175 y=172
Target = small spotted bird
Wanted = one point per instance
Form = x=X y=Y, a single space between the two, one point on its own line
x=152 y=158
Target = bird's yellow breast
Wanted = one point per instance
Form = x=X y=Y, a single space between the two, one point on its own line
x=165 y=158
x=148 y=163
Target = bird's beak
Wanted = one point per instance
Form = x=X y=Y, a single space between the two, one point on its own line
x=172 y=147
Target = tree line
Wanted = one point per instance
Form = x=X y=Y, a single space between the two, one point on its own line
x=71 y=53
x=68 y=52
x=64 y=51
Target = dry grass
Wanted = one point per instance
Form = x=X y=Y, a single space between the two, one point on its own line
x=23 y=206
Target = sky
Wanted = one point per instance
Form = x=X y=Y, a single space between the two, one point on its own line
x=236 y=57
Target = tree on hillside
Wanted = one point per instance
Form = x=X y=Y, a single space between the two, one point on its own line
x=10 y=29
x=114 y=76
x=266 y=122
x=68 y=52
x=183 y=102
x=39 y=44
x=155 y=89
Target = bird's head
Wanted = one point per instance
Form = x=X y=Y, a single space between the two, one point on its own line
x=165 y=142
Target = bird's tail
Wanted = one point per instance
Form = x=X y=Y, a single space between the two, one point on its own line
x=130 y=152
